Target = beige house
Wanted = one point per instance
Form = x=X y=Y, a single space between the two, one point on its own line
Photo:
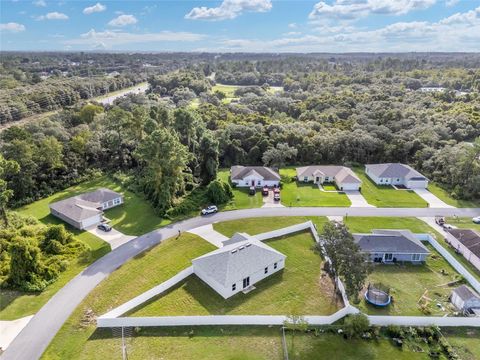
x=343 y=177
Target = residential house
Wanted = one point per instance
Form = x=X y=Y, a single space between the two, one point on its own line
x=396 y=174
x=466 y=242
x=343 y=177
x=86 y=210
x=257 y=176
x=238 y=265
x=387 y=246
x=465 y=299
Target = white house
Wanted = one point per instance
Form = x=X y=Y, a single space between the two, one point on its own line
x=467 y=242
x=238 y=265
x=465 y=299
x=342 y=176
x=396 y=174
x=258 y=176
x=86 y=210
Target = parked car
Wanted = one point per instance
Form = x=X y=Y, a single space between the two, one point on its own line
x=448 y=227
x=251 y=191
x=476 y=220
x=276 y=191
x=104 y=227
x=276 y=196
x=265 y=191
x=212 y=209
x=440 y=220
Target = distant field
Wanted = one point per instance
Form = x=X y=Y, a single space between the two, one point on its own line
x=229 y=91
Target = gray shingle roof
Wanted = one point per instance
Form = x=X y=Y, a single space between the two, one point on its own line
x=100 y=195
x=394 y=170
x=464 y=292
x=394 y=241
x=469 y=238
x=239 y=172
x=340 y=173
x=234 y=262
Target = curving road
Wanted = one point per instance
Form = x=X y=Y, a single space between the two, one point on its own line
x=35 y=337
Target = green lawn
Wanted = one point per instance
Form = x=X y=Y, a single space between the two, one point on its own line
x=134 y=217
x=241 y=198
x=276 y=295
x=463 y=222
x=387 y=196
x=465 y=341
x=296 y=193
x=445 y=196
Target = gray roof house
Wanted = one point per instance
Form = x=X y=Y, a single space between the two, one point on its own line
x=396 y=174
x=467 y=242
x=342 y=176
x=392 y=246
x=465 y=299
x=86 y=210
x=258 y=176
x=238 y=265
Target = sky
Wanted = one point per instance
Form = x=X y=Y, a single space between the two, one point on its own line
x=241 y=25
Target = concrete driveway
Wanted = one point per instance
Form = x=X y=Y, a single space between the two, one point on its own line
x=268 y=201
x=114 y=237
x=10 y=329
x=432 y=200
x=206 y=232
x=357 y=199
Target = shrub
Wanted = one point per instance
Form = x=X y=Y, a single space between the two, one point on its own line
x=219 y=192
x=356 y=325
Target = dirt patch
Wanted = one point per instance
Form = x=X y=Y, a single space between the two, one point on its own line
x=327 y=286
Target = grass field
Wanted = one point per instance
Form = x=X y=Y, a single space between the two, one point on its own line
x=463 y=223
x=387 y=196
x=444 y=195
x=465 y=341
x=308 y=194
x=241 y=198
x=276 y=295
x=229 y=91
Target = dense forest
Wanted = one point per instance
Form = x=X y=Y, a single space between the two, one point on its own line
x=295 y=109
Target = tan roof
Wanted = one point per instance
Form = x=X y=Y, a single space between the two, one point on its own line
x=342 y=174
x=239 y=172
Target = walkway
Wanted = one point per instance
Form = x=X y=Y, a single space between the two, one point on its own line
x=357 y=199
x=431 y=199
x=206 y=232
x=10 y=329
x=114 y=237
x=35 y=337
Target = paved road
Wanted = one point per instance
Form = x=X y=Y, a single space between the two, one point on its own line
x=35 y=337
x=137 y=89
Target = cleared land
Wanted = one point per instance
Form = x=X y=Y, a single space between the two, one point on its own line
x=229 y=91
x=445 y=196
x=241 y=198
x=387 y=196
x=296 y=193
x=276 y=295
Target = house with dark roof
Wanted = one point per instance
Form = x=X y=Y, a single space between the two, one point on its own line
x=396 y=174
x=258 y=176
x=389 y=246
x=343 y=177
x=467 y=243
x=465 y=299
x=86 y=210
x=238 y=265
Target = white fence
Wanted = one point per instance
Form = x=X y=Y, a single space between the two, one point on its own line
x=424 y=321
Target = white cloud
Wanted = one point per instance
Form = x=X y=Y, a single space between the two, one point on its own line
x=40 y=3
x=12 y=27
x=123 y=20
x=354 y=9
x=94 y=9
x=292 y=25
x=228 y=9
x=451 y=3
x=292 y=33
x=53 y=16
x=110 y=39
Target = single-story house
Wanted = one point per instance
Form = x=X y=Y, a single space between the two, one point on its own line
x=396 y=174
x=342 y=176
x=467 y=242
x=258 y=176
x=465 y=299
x=387 y=246
x=238 y=265
x=86 y=210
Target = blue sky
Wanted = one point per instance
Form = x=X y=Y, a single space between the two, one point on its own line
x=241 y=25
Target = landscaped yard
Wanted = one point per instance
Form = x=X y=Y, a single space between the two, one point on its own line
x=296 y=193
x=445 y=196
x=241 y=198
x=387 y=196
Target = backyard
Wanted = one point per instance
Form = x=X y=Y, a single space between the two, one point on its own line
x=387 y=196
x=296 y=193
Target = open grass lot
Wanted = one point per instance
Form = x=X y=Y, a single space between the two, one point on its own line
x=387 y=196
x=465 y=341
x=134 y=217
x=229 y=91
x=241 y=198
x=445 y=196
x=463 y=223
x=296 y=193
x=278 y=294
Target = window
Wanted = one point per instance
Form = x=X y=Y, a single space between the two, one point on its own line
x=305 y=179
x=116 y=201
x=275 y=265
x=234 y=287
x=259 y=182
x=388 y=257
x=266 y=270
x=246 y=282
x=415 y=257
x=381 y=180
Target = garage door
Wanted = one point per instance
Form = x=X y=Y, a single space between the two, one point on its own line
x=417 y=184
x=94 y=220
x=349 y=186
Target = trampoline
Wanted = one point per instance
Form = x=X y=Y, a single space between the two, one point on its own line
x=378 y=295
